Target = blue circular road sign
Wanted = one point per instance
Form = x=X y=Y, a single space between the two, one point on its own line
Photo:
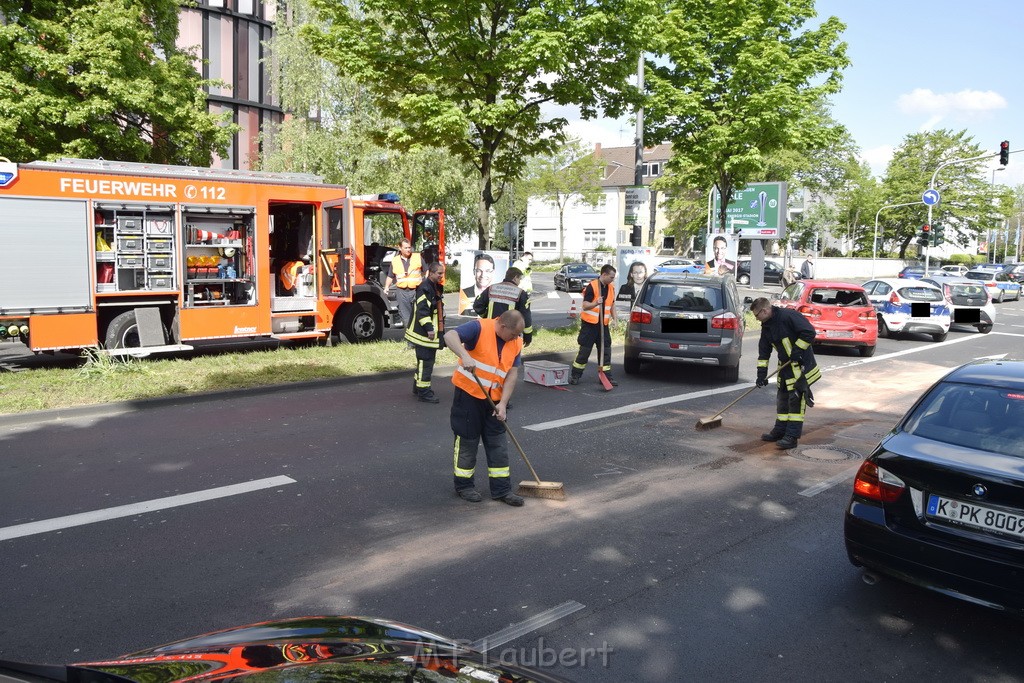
x=930 y=197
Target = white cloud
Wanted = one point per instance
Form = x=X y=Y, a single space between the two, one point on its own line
x=924 y=101
x=877 y=158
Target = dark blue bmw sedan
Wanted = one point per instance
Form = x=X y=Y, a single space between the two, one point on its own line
x=940 y=501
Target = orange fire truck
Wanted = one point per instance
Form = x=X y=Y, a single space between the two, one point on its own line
x=141 y=258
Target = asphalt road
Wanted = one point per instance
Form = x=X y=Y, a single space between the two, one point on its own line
x=679 y=555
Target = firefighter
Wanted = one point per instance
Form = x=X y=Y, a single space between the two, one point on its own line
x=523 y=263
x=489 y=350
x=425 y=332
x=791 y=335
x=598 y=313
x=406 y=274
x=506 y=295
x=289 y=276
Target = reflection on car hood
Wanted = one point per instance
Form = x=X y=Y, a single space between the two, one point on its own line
x=315 y=649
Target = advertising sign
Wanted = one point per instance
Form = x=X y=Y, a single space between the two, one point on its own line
x=637 y=212
x=720 y=254
x=480 y=270
x=632 y=266
x=755 y=212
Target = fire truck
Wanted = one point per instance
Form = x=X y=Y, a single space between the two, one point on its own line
x=140 y=258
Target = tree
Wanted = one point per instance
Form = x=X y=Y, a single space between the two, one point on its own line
x=968 y=199
x=471 y=77
x=102 y=79
x=572 y=173
x=738 y=82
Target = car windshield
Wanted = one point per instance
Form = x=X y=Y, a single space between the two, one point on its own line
x=580 y=269
x=920 y=294
x=838 y=297
x=977 y=275
x=684 y=297
x=986 y=418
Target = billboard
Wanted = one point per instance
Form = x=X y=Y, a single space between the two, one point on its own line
x=755 y=212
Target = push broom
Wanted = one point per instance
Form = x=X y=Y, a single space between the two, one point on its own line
x=553 y=490
x=706 y=423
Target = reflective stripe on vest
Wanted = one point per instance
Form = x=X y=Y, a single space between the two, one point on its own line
x=591 y=315
x=407 y=279
x=490 y=369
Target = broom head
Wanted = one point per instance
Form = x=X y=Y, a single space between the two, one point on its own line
x=552 y=490
x=706 y=423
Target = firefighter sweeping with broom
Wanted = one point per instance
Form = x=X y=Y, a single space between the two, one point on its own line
x=791 y=335
x=490 y=355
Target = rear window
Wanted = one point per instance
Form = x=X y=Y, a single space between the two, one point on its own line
x=838 y=297
x=920 y=294
x=975 y=275
x=972 y=291
x=682 y=297
x=986 y=418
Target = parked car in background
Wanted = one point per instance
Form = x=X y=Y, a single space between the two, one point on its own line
x=686 y=318
x=678 y=265
x=573 y=277
x=908 y=306
x=840 y=313
x=940 y=501
x=969 y=302
x=772 y=272
x=955 y=269
x=1014 y=271
x=911 y=273
x=999 y=285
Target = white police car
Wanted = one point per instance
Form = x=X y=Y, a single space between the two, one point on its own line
x=908 y=306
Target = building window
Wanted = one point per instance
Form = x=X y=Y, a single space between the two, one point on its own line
x=592 y=238
x=543 y=245
x=597 y=208
x=652 y=169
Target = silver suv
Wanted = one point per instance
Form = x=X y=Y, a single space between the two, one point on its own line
x=686 y=318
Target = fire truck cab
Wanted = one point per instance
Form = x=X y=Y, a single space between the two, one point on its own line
x=144 y=258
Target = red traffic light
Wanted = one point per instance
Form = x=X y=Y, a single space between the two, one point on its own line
x=926 y=228
x=1004 y=152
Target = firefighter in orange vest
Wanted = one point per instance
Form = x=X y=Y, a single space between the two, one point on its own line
x=426 y=329
x=489 y=350
x=598 y=313
x=289 y=275
x=406 y=274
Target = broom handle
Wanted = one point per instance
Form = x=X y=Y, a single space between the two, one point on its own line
x=747 y=392
x=507 y=429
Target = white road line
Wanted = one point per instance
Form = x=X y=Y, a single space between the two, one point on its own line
x=830 y=482
x=535 y=622
x=56 y=523
x=718 y=391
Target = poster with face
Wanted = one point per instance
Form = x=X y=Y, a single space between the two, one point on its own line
x=633 y=266
x=721 y=254
x=480 y=270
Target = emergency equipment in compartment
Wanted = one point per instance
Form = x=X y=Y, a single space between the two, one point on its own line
x=143 y=258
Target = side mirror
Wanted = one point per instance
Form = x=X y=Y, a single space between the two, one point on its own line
x=747 y=300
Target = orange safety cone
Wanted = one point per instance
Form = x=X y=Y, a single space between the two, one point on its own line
x=574 y=312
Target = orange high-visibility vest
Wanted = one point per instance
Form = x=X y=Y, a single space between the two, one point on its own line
x=407 y=279
x=490 y=368
x=592 y=315
x=290 y=272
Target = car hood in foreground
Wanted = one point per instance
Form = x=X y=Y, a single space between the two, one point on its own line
x=314 y=648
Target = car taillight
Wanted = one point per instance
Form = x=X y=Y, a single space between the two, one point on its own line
x=894 y=298
x=641 y=316
x=809 y=311
x=948 y=291
x=726 y=321
x=867 y=314
x=874 y=483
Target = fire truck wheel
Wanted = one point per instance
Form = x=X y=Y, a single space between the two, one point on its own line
x=123 y=332
x=361 y=321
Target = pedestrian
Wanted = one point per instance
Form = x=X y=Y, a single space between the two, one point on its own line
x=505 y=295
x=807 y=267
x=427 y=330
x=788 y=275
x=406 y=274
x=489 y=350
x=524 y=263
x=791 y=335
x=597 y=315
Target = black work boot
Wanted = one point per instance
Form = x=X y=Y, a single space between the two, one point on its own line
x=574 y=377
x=786 y=442
x=427 y=396
x=611 y=380
x=771 y=436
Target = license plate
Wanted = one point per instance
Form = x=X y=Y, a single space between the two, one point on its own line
x=838 y=334
x=976 y=516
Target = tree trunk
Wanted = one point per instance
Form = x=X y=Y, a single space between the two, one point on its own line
x=561 y=233
x=483 y=214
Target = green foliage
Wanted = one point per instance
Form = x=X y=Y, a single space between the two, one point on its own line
x=102 y=79
x=471 y=78
x=738 y=85
x=967 y=198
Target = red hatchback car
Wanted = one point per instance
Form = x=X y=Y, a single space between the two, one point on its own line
x=840 y=312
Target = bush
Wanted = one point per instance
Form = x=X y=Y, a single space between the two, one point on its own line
x=452 y=278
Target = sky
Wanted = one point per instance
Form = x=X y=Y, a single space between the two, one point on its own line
x=915 y=66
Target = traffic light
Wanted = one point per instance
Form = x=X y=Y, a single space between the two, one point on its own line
x=926 y=232
x=938 y=234
x=636 y=237
x=1004 y=152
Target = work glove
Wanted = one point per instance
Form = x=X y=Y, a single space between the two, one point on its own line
x=762 y=377
x=527 y=338
x=797 y=358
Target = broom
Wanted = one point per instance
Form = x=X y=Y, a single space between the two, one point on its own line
x=553 y=490
x=706 y=423
x=605 y=382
